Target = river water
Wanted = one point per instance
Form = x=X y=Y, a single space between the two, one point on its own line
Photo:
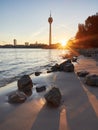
x=16 y=62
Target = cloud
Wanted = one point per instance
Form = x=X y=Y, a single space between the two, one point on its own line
x=39 y=32
x=36 y=34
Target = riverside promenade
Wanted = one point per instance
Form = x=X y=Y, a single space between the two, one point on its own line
x=76 y=112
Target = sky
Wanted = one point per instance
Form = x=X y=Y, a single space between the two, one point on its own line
x=27 y=20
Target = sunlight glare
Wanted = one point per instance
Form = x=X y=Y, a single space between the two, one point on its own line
x=63 y=43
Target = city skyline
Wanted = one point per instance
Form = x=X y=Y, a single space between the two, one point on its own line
x=26 y=20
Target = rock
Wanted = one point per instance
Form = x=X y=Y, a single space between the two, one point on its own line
x=97 y=82
x=37 y=73
x=25 y=84
x=55 y=67
x=64 y=64
x=49 y=71
x=17 y=97
x=68 y=61
x=40 y=88
x=82 y=73
x=53 y=97
x=91 y=80
x=69 y=67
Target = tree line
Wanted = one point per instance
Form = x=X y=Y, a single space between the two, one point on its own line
x=87 y=34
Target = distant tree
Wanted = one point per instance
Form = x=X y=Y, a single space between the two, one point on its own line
x=89 y=28
x=87 y=34
x=81 y=31
x=91 y=25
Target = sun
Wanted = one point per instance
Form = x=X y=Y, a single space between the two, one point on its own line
x=63 y=43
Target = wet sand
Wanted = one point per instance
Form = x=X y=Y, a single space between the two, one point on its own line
x=77 y=111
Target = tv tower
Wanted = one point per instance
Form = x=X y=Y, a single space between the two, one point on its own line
x=50 y=20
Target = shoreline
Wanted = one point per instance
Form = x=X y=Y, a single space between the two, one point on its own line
x=22 y=62
x=76 y=111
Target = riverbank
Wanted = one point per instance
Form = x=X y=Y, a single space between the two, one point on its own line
x=77 y=111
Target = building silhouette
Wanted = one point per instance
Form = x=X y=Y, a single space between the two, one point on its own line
x=15 y=42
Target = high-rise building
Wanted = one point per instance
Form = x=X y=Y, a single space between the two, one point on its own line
x=15 y=42
x=50 y=20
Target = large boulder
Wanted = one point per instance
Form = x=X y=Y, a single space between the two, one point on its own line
x=63 y=64
x=55 y=67
x=17 y=97
x=82 y=73
x=91 y=80
x=25 y=84
x=53 y=97
x=67 y=66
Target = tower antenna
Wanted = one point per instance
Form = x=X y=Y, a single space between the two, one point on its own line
x=50 y=13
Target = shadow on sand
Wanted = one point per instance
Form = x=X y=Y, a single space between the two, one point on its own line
x=47 y=119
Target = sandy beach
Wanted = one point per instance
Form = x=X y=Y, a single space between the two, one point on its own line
x=78 y=109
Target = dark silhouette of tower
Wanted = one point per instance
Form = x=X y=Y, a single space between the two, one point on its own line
x=50 y=20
